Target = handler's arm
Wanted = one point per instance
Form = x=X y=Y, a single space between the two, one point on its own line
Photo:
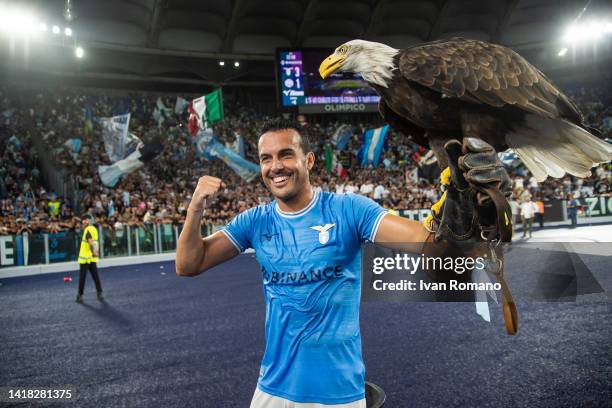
x=195 y=254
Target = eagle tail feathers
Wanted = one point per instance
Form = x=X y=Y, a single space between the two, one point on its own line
x=553 y=147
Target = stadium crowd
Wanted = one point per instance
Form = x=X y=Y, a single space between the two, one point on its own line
x=160 y=191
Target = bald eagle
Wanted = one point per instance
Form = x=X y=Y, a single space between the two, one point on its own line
x=450 y=89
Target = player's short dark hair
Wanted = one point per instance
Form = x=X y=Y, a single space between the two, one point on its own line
x=86 y=216
x=273 y=125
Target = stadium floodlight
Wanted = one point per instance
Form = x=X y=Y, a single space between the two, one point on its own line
x=587 y=31
x=17 y=22
x=55 y=29
x=68 y=32
x=594 y=30
x=221 y=63
x=42 y=27
x=236 y=64
x=571 y=33
x=79 y=52
x=562 y=52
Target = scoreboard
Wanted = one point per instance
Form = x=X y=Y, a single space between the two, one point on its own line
x=301 y=89
x=291 y=78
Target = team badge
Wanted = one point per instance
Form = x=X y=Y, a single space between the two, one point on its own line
x=323 y=232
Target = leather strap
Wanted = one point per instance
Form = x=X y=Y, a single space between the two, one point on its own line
x=510 y=311
x=503 y=232
x=509 y=308
x=504 y=214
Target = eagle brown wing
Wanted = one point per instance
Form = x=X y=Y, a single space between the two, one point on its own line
x=480 y=72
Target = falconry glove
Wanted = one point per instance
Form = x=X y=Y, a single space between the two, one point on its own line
x=485 y=174
x=473 y=206
x=473 y=210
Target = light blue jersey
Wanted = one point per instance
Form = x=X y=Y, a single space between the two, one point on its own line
x=311 y=268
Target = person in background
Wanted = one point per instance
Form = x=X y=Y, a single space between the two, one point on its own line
x=367 y=188
x=533 y=184
x=54 y=206
x=516 y=211
x=572 y=210
x=539 y=215
x=528 y=209
x=519 y=184
x=379 y=192
x=350 y=188
x=88 y=258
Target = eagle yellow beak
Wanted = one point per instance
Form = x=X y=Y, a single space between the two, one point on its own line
x=330 y=65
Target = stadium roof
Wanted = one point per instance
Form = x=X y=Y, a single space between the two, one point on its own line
x=184 y=40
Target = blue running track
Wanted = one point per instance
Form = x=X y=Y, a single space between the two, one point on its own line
x=161 y=340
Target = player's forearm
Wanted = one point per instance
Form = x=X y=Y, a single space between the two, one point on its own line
x=190 y=248
x=401 y=233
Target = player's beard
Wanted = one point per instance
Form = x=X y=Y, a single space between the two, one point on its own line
x=288 y=191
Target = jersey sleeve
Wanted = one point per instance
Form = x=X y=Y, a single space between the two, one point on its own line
x=367 y=215
x=239 y=229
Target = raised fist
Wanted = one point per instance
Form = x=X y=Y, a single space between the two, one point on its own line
x=207 y=187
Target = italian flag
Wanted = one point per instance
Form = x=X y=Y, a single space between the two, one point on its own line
x=205 y=110
x=331 y=162
x=329 y=157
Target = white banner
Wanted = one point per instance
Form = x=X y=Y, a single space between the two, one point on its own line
x=117 y=140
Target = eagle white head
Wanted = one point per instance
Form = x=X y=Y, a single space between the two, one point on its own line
x=372 y=60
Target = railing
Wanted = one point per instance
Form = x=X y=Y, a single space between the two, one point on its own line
x=36 y=249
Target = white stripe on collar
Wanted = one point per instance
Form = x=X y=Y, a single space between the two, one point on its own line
x=303 y=211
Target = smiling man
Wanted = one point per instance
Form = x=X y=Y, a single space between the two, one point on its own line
x=308 y=246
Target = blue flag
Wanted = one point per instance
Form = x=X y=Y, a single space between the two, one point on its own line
x=209 y=147
x=374 y=140
x=74 y=144
x=204 y=142
x=509 y=158
x=239 y=144
x=342 y=136
x=110 y=175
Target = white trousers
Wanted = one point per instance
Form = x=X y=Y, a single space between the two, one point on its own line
x=265 y=400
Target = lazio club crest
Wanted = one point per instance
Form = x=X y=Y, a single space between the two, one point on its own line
x=323 y=232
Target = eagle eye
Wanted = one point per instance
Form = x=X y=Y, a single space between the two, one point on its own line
x=343 y=50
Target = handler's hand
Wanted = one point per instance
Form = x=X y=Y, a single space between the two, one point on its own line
x=207 y=187
x=481 y=166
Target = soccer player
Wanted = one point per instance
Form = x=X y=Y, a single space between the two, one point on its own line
x=308 y=248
